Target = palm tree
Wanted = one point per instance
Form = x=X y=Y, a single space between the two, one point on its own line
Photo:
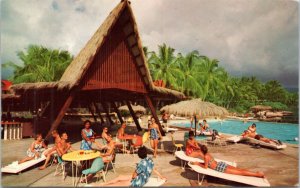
x=39 y=65
x=211 y=76
x=164 y=66
x=189 y=81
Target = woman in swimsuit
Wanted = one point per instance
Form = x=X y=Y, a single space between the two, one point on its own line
x=192 y=147
x=87 y=136
x=221 y=166
x=155 y=134
x=35 y=150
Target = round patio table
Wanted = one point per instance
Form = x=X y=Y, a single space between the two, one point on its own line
x=79 y=155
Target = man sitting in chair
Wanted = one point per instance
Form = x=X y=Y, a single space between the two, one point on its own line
x=63 y=146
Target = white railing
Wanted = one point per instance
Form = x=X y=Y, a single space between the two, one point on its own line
x=12 y=130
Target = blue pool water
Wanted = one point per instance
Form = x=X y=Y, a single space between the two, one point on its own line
x=285 y=132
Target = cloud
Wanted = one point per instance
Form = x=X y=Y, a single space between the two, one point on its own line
x=250 y=38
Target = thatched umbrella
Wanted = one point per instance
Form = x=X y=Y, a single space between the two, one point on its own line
x=136 y=109
x=257 y=108
x=195 y=106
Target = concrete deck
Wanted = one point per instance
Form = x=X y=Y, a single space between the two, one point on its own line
x=279 y=166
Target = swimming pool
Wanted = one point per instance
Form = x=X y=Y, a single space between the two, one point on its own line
x=285 y=132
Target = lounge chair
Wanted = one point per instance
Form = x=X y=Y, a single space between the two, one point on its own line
x=255 y=181
x=184 y=159
x=15 y=168
x=154 y=182
x=236 y=139
x=265 y=144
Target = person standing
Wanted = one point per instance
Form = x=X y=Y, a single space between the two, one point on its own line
x=155 y=134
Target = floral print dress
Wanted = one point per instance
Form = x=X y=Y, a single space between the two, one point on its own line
x=144 y=169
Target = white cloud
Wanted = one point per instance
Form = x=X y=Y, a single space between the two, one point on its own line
x=254 y=37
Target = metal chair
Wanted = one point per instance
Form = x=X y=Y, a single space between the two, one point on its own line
x=60 y=168
x=176 y=146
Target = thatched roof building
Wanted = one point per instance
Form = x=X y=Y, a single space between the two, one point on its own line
x=257 y=108
x=135 y=108
x=195 y=106
x=110 y=68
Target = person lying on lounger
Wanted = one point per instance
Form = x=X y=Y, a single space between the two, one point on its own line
x=267 y=140
x=192 y=146
x=35 y=150
x=140 y=176
x=221 y=166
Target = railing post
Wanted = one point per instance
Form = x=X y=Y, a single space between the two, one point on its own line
x=10 y=132
x=18 y=131
x=5 y=131
x=14 y=128
x=21 y=131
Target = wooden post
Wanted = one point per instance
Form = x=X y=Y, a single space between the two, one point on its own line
x=61 y=113
x=92 y=112
x=107 y=113
x=99 y=113
x=150 y=104
x=133 y=116
x=117 y=111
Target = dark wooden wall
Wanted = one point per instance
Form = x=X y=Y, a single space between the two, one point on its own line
x=114 y=66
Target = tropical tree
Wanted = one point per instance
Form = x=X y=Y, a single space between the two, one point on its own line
x=163 y=66
x=40 y=64
x=188 y=80
x=211 y=77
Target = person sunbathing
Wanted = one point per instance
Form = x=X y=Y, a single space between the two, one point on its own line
x=35 y=150
x=267 y=140
x=51 y=151
x=221 y=166
x=252 y=130
x=192 y=146
x=140 y=176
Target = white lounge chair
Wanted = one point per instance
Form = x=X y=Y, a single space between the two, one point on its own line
x=255 y=181
x=265 y=144
x=15 y=168
x=205 y=133
x=236 y=139
x=169 y=129
x=154 y=182
x=185 y=159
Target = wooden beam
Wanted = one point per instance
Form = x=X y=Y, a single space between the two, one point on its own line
x=98 y=112
x=92 y=112
x=107 y=112
x=61 y=113
x=117 y=111
x=133 y=116
x=150 y=104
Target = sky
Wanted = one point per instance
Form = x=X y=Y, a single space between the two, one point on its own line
x=249 y=37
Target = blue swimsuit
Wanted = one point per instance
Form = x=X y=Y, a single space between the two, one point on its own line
x=153 y=134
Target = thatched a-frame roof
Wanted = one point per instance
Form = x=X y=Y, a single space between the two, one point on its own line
x=135 y=108
x=79 y=66
x=195 y=106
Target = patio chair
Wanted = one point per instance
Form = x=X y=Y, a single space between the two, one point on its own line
x=176 y=146
x=60 y=168
x=96 y=168
x=139 y=144
x=111 y=162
